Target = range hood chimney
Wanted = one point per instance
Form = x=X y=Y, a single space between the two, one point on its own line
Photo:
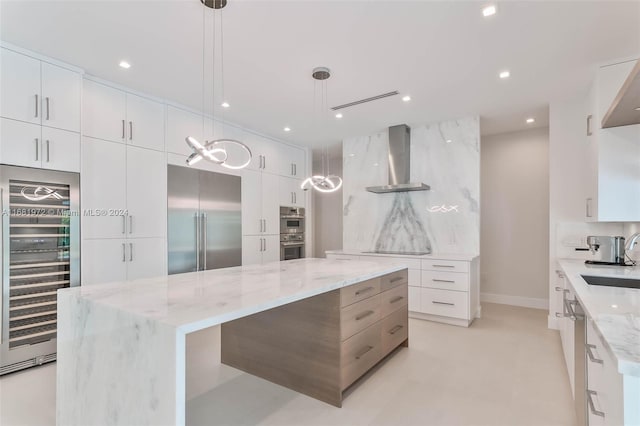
x=399 y=160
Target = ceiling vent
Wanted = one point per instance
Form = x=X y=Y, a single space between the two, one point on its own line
x=364 y=101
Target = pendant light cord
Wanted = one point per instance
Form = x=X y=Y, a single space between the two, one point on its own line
x=203 y=62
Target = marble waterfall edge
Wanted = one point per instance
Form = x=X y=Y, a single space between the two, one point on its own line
x=446 y=219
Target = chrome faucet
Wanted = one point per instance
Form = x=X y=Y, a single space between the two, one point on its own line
x=632 y=241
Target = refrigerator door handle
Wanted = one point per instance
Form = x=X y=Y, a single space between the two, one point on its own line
x=204 y=240
x=197 y=220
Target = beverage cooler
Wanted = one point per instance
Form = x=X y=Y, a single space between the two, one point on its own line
x=40 y=255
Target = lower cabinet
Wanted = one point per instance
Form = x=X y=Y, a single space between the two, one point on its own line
x=258 y=249
x=110 y=260
x=321 y=345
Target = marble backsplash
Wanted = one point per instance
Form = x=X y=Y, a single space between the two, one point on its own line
x=445 y=219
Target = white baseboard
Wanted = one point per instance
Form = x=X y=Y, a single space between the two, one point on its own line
x=525 y=302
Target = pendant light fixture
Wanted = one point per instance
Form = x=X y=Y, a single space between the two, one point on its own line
x=229 y=153
x=325 y=182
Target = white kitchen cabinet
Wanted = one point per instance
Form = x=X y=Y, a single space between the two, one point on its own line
x=117 y=116
x=260 y=203
x=61 y=97
x=20 y=87
x=266 y=153
x=258 y=249
x=30 y=145
x=103 y=189
x=270 y=204
x=292 y=161
x=291 y=194
x=104 y=112
x=567 y=336
x=60 y=150
x=180 y=124
x=112 y=260
x=414 y=299
x=613 y=178
x=20 y=143
x=146 y=189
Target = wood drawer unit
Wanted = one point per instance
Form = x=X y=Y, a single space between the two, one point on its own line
x=445 y=280
x=321 y=345
x=360 y=315
x=444 y=302
x=445 y=265
x=360 y=353
x=393 y=280
x=394 y=329
x=394 y=299
x=357 y=292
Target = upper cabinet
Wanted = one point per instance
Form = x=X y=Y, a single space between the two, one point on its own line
x=621 y=101
x=292 y=164
x=613 y=154
x=180 y=124
x=113 y=115
x=38 y=92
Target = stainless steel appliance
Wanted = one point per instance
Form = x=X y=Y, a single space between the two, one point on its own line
x=610 y=249
x=291 y=233
x=40 y=255
x=291 y=220
x=204 y=220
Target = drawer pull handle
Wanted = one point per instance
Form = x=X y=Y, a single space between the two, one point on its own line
x=396 y=299
x=592 y=358
x=443 y=266
x=442 y=281
x=395 y=329
x=364 y=290
x=396 y=279
x=592 y=406
x=442 y=303
x=559 y=315
x=362 y=353
x=364 y=315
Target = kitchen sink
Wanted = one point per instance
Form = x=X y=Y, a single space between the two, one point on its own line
x=612 y=282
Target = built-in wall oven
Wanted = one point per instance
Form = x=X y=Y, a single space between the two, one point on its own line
x=291 y=233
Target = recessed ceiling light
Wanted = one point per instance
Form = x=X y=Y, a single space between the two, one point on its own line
x=124 y=64
x=338 y=115
x=406 y=98
x=531 y=120
x=449 y=141
x=637 y=109
x=505 y=74
x=287 y=129
x=352 y=155
x=375 y=164
x=489 y=10
x=614 y=306
x=225 y=105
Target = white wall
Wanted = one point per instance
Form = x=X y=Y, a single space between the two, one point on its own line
x=327 y=207
x=514 y=230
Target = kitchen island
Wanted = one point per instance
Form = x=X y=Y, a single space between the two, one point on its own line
x=121 y=346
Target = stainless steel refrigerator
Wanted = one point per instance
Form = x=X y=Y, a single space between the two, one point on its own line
x=40 y=255
x=204 y=220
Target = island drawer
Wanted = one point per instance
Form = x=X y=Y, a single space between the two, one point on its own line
x=357 y=292
x=394 y=330
x=394 y=279
x=390 y=260
x=445 y=280
x=359 y=353
x=445 y=265
x=358 y=316
x=394 y=299
x=447 y=303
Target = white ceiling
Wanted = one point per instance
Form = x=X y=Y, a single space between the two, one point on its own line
x=443 y=53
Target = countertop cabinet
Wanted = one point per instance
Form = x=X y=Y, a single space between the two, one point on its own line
x=38 y=92
x=257 y=249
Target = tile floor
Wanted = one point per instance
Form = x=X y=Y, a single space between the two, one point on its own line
x=506 y=369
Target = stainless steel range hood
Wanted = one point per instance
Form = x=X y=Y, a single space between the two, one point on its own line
x=399 y=163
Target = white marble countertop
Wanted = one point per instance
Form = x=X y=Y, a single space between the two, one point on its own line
x=197 y=300
x=614 y=310
x=448 y=256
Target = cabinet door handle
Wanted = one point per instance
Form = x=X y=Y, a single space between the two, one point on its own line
x=592 y=405
x=589 y=119
x=124 y=224
x=588 y=207
x=295 y=198
x=265 y=225
x=48 y=151
x=363 y=352
x=443 y=266
x=131 y=130
x=131 y=252
x=130 y=224
x=37 y=149
x=396 y=299
x=395 y=329
x=363 y=291
x=36 y=116
x=364 y=315
x=295 y=169
x=442 y=281
x=442 y=303
x=396 y=279
x=124 y=253
x=47 y=103
x=291 y=169
x=559 y=315
x=124 y=136
x=264 y=162
x=592 y=358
